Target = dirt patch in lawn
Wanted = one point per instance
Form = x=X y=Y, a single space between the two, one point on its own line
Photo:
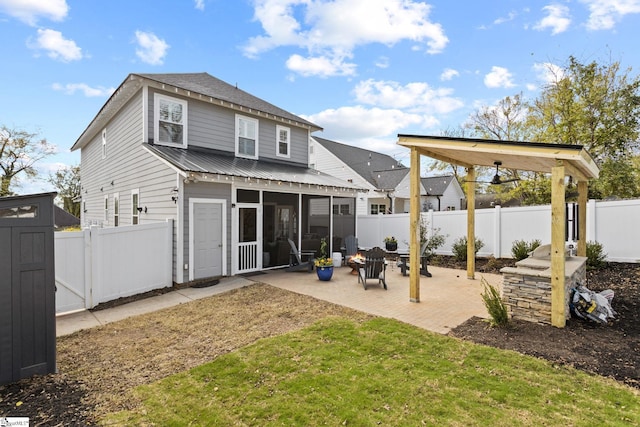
x=99 y=365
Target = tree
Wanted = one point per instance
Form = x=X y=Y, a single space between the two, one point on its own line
x=19 y=152
x=67 y=182
x=598 y=107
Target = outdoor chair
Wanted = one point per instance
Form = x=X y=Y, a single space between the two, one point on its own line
x=403 y=263
x=374 y=267
x=351 y=245
x=300 y=260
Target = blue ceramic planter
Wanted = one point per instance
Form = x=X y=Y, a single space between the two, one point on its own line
x=324 y=273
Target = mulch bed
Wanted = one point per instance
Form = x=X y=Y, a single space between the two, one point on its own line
x=99 y=365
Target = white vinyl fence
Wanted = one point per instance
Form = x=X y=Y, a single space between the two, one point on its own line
x=102 y=264
x=614 y=224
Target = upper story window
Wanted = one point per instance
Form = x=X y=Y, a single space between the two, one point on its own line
x=283 y=141
x=170 y=121
x=104 y=143
x=246 y=137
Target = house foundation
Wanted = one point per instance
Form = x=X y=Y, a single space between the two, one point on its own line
x=526 y=288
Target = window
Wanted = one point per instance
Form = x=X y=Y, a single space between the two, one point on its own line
x=135 y=214
x=283 y=141
x=26 y=211
x=116 y=209
x=376 y=209
x=246 y=137
x=171 y=121
x=104 y=143
x=106 y=208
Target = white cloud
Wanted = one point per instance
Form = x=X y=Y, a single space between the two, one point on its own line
x=605 y=13
x=359 y=122
x=199 y=4
x=333 y=29
x=557 y=19
x=382 y=62
x=88 y=91
x=29 y=11
x=510 y=17
x=448 y=74
x=499 y=77
x=412 y=96
x=151 y=49
x=321 y=66
x=56 y=45
x=548 y=72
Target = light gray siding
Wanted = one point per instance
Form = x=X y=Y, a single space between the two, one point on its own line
x=212 y=126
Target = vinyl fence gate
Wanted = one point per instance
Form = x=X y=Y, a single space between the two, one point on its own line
x=27 y=287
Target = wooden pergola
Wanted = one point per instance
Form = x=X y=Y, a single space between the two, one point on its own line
x=561 y=160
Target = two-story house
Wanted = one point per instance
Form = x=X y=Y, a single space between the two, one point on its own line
x=230 y=169
x=386 y=179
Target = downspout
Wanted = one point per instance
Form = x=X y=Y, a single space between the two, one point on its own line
x=390 y=203
x=439 y=204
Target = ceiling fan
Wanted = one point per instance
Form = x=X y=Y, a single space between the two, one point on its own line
x=497 y=179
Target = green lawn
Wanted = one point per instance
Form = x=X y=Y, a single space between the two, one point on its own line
x=382 y=372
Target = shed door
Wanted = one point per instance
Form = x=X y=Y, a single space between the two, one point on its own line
x=207 y=237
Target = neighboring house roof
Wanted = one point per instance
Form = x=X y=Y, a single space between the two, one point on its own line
x=366 y=163
x=388 y=180
x=62 y=218
x=436 y=185
x=207 y=161
x=196 y=86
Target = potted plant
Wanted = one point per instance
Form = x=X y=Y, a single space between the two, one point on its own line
x=391 y=243
x=324 y=264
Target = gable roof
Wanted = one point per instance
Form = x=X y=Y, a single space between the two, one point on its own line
x=370 y=165
x=200 y=86
x=436 y=185
x=203 y=161
x=388 y=180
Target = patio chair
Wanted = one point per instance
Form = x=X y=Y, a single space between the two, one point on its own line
x=373 y=267
x=300 y=260
x=351 y=245
x=403 y=263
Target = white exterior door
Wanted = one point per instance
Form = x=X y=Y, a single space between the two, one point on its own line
x=207 y=240
x=249 y=237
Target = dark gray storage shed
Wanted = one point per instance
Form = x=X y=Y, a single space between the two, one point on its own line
x=27 y=287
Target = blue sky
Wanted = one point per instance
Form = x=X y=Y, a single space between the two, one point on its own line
x=364 y=70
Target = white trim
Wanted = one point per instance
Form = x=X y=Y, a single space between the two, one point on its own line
x=223 y=202
x=157 y=97
x=179 y=229
x=237 y=136
x=135 y=214
x=145 y=113
x=105 y=208
x=116 y=209
x=288 y=141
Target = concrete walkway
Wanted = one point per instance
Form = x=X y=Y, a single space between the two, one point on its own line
x=446 y=300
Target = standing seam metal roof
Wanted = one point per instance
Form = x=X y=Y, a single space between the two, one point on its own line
x=202 y=160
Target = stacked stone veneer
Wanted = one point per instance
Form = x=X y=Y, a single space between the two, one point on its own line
x=526 y=289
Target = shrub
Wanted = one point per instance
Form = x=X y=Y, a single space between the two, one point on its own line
x=596 y=258
x=459 y=247
x=498 y=315
x=520 y=248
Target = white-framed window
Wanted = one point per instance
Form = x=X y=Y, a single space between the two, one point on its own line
x=378 y=208
x=283 y=141
x=104 y=143
x=106 y=208
x=116 y=209
x=135 y=202
x=170 y=121
x=246 y=137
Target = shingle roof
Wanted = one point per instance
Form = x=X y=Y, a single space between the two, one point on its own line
x=201 y=160
x=389 y=179
x=366 y=163
x=436 y=185
x=206 y=84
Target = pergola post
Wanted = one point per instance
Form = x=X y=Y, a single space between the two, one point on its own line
x=558 y=226
x=471 y=221
x=414 y=227
x=582 y=217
